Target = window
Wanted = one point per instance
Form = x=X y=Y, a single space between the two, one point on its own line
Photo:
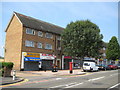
x=58 y=38
x=40 y=33
x=39 y=45
x=104 y=54
x=104 y=48
x=30 y=31
x=29 y=43
x=48 y=35
x=58 y=43
x=86 y=64
x=48 y=46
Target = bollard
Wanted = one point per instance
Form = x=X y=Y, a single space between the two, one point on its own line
x=14 y=74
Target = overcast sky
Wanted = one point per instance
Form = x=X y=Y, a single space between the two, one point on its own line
x=104 y=14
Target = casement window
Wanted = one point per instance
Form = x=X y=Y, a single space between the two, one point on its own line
x=29 y=43
x=49 y=35
x=48 y=46
x=40 y=34
x=30 y=31
x=39 y=45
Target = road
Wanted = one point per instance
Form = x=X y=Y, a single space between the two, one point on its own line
x=102 y=79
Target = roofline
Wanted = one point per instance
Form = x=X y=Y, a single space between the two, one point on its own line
x=41 y=20
x=11 y=20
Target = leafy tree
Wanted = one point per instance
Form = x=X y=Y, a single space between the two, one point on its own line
x=113 y=49
x=82 y=38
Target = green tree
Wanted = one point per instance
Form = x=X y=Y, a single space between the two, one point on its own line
x=82 y=38
x=113 y=49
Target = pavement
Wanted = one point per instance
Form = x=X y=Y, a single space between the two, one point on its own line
x=8 y=80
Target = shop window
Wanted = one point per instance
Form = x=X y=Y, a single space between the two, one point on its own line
x=30 y=31
x=48 y=46
x=40 y=34
x=39 y=45
x=49 y=35
x=29 y=43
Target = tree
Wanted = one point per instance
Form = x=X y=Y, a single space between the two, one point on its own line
x=113 y=49
x=82 y=38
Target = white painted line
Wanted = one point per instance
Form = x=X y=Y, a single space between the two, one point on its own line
x=64 y=85
x=73 y=85
x=96 y=78
x=113 y=86
x=114 y=74
x=58 y=78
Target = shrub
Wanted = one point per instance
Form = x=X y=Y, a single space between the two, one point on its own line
x=7 y=65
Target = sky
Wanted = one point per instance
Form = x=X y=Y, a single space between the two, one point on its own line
x=103 y=14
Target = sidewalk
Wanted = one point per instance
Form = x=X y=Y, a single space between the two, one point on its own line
x=9 y=80
x=50 y=73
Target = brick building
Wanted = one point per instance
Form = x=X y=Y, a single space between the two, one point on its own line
x=32 y=44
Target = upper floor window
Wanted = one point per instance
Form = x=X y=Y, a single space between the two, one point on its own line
x=29 y=43
x=40 y=34
x=48 y=35
x=48 y=46
x=58 y=38
x=104 y=48
x=30 y=31
x=39 y=45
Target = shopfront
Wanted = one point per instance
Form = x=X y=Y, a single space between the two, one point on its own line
x=36 y=61
x=47 y=61
x=76 y=62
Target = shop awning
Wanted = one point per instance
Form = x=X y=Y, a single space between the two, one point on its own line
x=32 y=59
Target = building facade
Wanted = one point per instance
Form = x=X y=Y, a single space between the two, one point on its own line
x=32 y=44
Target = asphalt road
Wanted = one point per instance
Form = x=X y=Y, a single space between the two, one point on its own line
x=103 y=79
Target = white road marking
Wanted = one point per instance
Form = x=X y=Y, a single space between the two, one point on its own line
x=113 y=86
x=114 y=74
x=96 y=78
x=58 y=78
x=73 y=85
x=64 y=85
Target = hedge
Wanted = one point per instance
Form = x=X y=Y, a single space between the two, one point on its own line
x=6 y=64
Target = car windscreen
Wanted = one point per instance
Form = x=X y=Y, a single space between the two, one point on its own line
x=86 y=64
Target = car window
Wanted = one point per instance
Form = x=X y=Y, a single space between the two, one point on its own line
x=86 y=64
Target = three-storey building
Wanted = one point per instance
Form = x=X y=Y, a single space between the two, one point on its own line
x=32 y=44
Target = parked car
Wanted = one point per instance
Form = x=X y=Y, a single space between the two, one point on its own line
x=103 y=67
x=118 y=65
x=112 y=66
x=89 y=65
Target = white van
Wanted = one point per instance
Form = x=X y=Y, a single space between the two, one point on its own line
x=89 y=65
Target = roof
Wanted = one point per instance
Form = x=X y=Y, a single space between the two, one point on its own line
x=36 y=24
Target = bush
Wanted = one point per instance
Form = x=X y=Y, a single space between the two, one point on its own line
x=7 y=65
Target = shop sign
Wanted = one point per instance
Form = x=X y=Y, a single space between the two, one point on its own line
x=29 y=56
x=47 y=56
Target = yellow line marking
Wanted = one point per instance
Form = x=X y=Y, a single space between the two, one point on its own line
x=15 y=83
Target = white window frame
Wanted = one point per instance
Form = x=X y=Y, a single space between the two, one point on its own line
x=48 y=36
x=31 y=33
x=58 y=37
x=41 y=33
x=29 y=43
x=48 y=46
x=38 y=45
